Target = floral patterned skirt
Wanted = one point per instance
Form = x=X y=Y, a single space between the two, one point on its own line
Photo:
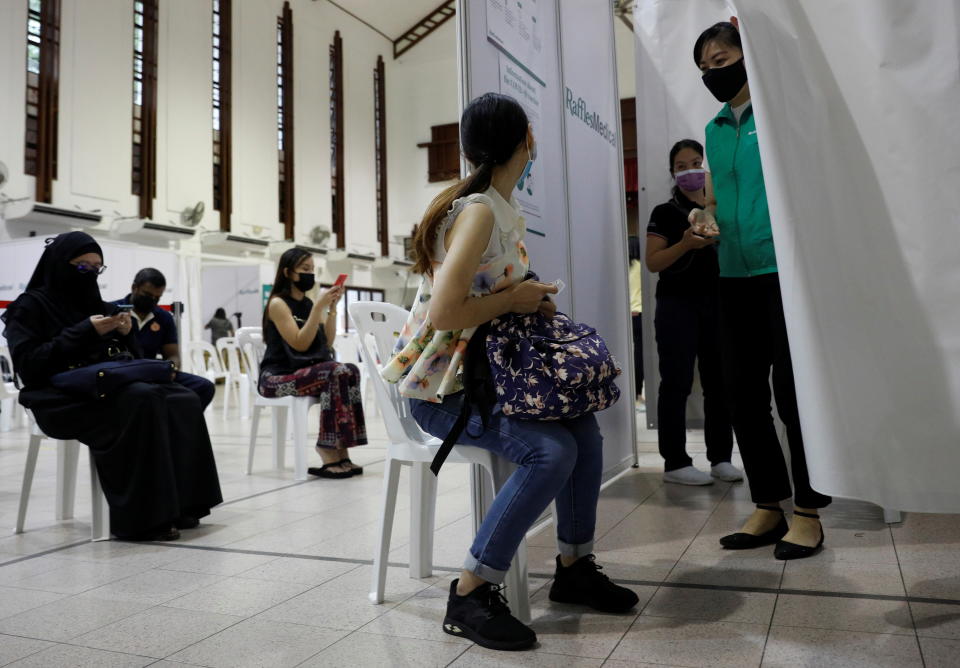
x=341 y=405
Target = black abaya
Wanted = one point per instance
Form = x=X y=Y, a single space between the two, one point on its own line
x=150 y=442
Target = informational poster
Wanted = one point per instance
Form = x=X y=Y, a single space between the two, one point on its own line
x=516 y=28
x=529 y=191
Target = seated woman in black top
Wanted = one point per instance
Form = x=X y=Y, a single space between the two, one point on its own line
x=299 y=361
x=150 y=441
x=686 y=324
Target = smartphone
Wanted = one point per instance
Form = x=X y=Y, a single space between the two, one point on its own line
x=125 y=308
x=560 y=285
x=341 y=279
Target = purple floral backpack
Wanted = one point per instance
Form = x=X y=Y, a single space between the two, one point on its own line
x=550 y=368
x=535 y=368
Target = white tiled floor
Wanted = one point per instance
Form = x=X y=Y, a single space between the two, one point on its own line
x=279 y=574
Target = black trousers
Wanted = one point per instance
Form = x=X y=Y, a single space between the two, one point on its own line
x=754 y=341
x=638 y=351
x=198 y=384
x=687 y=328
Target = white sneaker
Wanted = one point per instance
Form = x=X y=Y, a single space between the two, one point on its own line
x=726 y=472
x=688 y=475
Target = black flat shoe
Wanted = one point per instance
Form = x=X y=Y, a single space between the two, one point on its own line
x=354 y=469
x=324 y=472
x=164 y=534
x=786 y=551
x=186 y=523
x=749 y=541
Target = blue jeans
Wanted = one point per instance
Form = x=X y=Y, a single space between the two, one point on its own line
x=555 y=460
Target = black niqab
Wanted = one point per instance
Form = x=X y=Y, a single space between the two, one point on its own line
x=68 y=295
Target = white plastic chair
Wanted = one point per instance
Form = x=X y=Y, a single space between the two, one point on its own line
x=347 y=348
x=250 y=340
x=205 y=361
x=11 y=415
x=227 y=347
x=409 y=445
x=68 y=455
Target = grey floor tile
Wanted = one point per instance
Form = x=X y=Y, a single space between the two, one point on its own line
x=712 y=605
x=936 y=620
x=216 y=563
x=843 y=576
x=141 y=555
x=844 y=614
x=934 y=574
x=692 y=643
x=788 y=647
x=74 y=577
x=71 y=656
x=154 y=587
x=939 y=652
x=68 y=618
x=732 y=569
x=14 y=647
x=302 y=571
x=613 y=663
x=366 y=650
x=417 y=618
x=14 y=601
x=257 y=642
x=157 y=632
x=239 y=596
x=478 y=657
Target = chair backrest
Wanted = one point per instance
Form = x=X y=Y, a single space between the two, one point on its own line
x=347 y=348
x=228 y=345
x=204 y=358
x=384 y=321
x=252 y=347
x=8 y=389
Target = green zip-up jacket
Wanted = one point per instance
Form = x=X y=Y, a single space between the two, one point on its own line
x=746 y=239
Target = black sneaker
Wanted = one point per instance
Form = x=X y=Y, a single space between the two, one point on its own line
x=584 y=584
x=483 y=617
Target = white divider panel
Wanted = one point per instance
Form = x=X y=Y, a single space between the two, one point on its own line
x=574 y=207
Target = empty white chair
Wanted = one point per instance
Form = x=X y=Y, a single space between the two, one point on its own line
x=68 y=455
x=11 y=414
x=205 y=361
x=250 y=340
x=347 y=348
x=409 y=445
x=229 y=349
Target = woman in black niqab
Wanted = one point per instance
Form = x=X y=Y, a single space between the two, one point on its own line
x=150 y=442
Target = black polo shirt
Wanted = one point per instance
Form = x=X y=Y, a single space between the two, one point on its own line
x=156 y=330
x=696 y=271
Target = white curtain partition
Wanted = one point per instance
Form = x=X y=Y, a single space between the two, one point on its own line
x=857 y=109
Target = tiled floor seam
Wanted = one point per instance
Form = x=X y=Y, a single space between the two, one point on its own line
x=903 y=581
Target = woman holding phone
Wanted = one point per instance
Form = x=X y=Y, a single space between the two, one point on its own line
x=753 y=331
x=299 y=361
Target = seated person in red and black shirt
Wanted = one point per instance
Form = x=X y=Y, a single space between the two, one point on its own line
x=156 y=330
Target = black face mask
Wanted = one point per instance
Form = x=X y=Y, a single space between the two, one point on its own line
x=726 y=82
x=144 y=303
x=305 y=282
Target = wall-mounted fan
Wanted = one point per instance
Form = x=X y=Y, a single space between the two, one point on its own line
x=192 y=215
x=319 y=235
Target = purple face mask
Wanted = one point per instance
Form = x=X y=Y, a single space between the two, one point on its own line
x=691 y=180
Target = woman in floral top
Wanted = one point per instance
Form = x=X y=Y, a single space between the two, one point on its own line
x=469 y=249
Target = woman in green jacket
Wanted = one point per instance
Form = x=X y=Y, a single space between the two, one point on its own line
x=753 y=329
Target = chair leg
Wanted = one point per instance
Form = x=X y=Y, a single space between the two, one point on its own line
x=68 y=455
x=391 y=482
x=279 y=436
x=227 y=389
x=253 y=437
x=100 y=528
x=423 y=507
x=300 y=409
x=244 y=397
x=33 y=449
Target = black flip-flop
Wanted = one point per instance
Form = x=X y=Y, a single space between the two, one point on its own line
x=322 y=472
x=356 y=470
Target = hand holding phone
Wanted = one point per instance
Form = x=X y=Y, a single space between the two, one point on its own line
x=125 y=308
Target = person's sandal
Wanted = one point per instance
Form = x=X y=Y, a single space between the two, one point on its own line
x=323 y=472
x=356 y=470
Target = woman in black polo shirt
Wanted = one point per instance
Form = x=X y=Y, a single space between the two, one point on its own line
x=687 y=325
